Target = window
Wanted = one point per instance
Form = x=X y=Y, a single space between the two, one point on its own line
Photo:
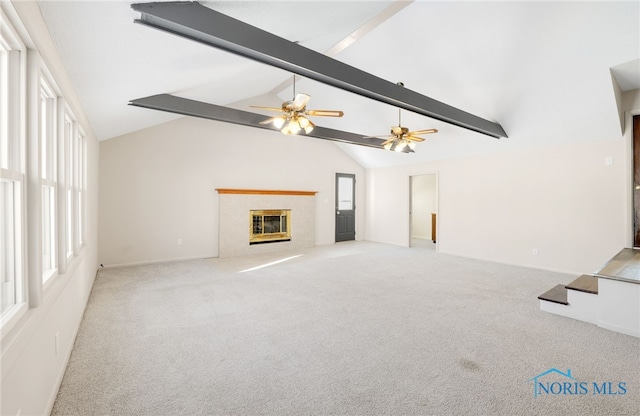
x=9 y=247
x=4 y=105
x=43 y=159
x=48 y=174
x=12 y=172
x=81 y=186
x=68 y=183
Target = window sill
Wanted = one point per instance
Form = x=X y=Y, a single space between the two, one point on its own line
x=12 y=316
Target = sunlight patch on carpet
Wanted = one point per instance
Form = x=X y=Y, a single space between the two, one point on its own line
x=262 y=266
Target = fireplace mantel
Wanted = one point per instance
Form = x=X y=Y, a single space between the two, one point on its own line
x=264 y=192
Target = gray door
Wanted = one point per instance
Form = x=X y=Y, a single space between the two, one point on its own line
x=345 y=207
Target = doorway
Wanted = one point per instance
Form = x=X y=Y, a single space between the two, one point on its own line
x=423 y=211
x=345 y=207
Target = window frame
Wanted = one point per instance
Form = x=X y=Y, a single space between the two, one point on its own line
x=13 y=109
x=5 y=146
x=81 y=192
x=48 y=148
x=68 y=150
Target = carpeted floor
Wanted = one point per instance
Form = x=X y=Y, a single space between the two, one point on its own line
x=350 y=329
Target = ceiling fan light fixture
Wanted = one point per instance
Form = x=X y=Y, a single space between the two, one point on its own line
x=309 y=127
x=293 y=126
x=294 y=119
x=400 y=138
x=278 y=122
x=303 y=122
x=286 y=130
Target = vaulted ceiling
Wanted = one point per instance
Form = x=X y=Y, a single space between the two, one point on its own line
x=543 y=70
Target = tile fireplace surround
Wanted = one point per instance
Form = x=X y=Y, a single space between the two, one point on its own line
x=234 y=222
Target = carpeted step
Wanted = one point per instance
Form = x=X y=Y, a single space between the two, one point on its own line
x=585 y=283
x=557 y=294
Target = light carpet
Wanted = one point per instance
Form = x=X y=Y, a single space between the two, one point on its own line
x=349 y=329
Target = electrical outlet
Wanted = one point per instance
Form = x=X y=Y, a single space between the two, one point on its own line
x=608 y=160
x=179 y=241
x=534 y=252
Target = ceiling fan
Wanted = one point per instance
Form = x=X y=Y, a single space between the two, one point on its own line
x=401 y=137
x=295 y=114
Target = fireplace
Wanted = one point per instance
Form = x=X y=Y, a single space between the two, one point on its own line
x=269 y=226
x=236 y=235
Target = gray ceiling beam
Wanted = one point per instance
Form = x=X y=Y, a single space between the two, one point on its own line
x=202 y=24
x=188 y=107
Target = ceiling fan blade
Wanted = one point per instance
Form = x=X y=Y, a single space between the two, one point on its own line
x=385 y=136
x=418 y=132
x=267 y=108
x=300 y=101
x=325 y=113
x=414 y=138
x=387 y=142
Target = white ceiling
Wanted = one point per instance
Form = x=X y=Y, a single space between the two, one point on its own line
x=540 y=69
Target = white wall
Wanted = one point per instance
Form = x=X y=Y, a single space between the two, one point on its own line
x=423 y=204
x=158 y=185
x=563 y=200
x=31 y=370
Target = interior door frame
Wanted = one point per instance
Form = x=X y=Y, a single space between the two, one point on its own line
x=632 y=226
x=437 y=210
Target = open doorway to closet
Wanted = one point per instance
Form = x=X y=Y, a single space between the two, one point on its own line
x=424 y=208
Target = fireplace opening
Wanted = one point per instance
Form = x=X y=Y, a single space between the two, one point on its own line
x=269 y=226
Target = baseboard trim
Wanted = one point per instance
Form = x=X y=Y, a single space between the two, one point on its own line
x=616 y=328
x=157 y=261
x=528 y=266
